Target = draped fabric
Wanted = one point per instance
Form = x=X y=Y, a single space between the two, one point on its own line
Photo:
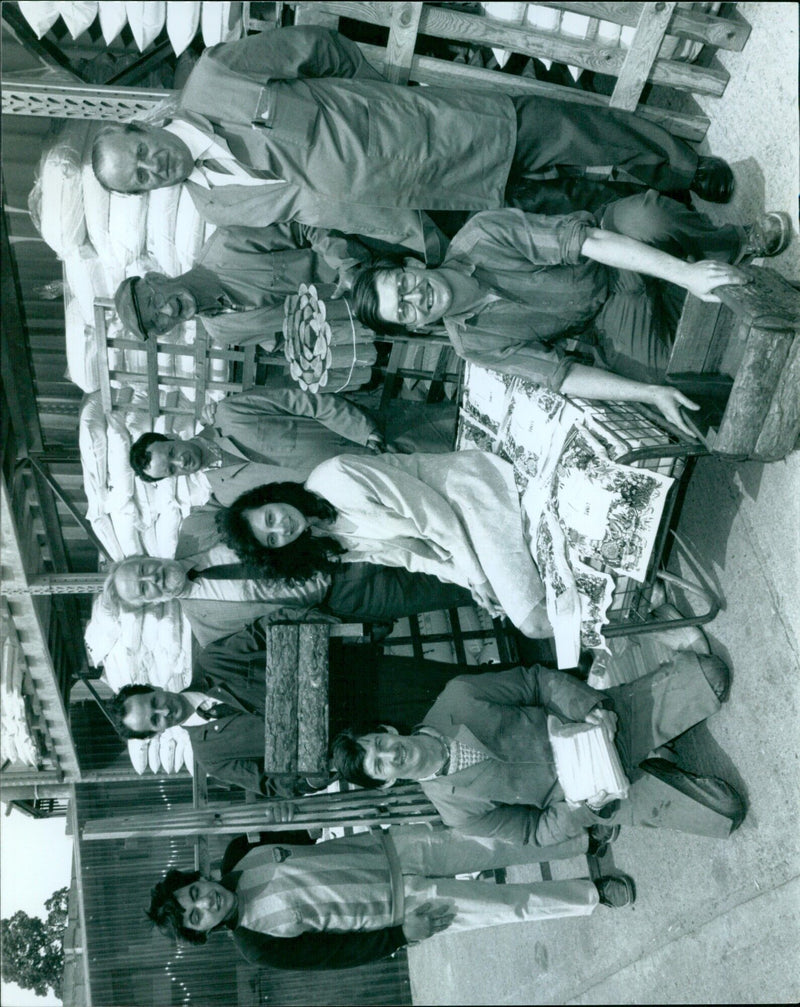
x=455 y=516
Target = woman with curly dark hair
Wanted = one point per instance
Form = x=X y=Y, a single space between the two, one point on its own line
x=278 y=510
x=456 y=516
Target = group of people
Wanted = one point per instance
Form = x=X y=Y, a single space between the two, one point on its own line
x=315 y=169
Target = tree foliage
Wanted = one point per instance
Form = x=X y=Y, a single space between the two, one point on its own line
x=33 y=948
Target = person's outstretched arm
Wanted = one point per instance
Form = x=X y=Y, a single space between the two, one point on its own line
x=596 y=383
x=622 y=252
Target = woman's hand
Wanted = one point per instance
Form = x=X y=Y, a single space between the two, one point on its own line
x=702 y=278
x=426 y=920
x=485 y=597
x=669 y=402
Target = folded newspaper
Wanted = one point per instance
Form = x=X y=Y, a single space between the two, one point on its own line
x=587 y=762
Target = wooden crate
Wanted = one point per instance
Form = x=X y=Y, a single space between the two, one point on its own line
x=635 y=67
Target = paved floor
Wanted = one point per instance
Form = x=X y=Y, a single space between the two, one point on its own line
x=715 y=922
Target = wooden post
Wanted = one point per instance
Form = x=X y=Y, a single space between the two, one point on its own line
x=402 y=38
x=296 y=700
x=636 y=69
x=765 y=354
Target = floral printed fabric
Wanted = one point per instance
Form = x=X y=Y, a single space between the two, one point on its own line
x=590 y=520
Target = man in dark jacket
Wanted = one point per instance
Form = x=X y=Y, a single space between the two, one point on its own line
x=484 y=759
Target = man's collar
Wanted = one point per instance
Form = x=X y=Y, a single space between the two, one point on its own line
x=194 y=138
x=206 y=288
x=433 y=733
x=195 y=698
x=231 y=881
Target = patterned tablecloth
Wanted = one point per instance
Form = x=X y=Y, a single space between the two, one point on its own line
x=580 y=507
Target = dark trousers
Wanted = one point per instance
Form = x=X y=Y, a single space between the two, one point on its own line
x=636 y=325
x=652 y=711
x=372 y=593
x=552 y=133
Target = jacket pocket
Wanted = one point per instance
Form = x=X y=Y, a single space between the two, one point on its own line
x=398 y=132
x=288 y=112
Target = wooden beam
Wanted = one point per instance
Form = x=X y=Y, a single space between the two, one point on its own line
x=40 y=466
x=402 y=805
x=707 y=28
x=403 y=28
x=781 y=428
x=764 y=358
x=641 y=56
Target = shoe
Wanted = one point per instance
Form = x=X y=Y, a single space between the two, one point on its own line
x=717 y=674
x=767 y=236
x=713 y=180
x=608 y=810
x=710 y=791
x=600 y=838
x=616 y=891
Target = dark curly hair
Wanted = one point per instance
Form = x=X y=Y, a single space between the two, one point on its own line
x=348 y=755
x=140 y=455
x=167 y=913
x=117 y=710
x=294 y=563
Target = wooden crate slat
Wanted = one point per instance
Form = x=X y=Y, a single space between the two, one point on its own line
x=642 y=55
x=152 y=378
x=249 y=367
x=404 y=24
x=707 y=28
x=692 y=338
x=201 y=366
x=101 y=342
x=767 y=300
x=781 y=428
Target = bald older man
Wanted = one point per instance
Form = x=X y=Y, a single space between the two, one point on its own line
x=219 y=598
x=294 y=124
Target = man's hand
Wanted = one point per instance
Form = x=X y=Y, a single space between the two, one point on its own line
x=426 y=920
x=485 y=597
x=376 y=444
x=599 y=800
x=702 y=278
x=669 y=401
x=606 y=719
x=279 y=812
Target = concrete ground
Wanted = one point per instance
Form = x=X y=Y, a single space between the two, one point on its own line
x=714 y=922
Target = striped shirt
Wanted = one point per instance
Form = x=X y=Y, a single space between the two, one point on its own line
x=339 y=886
